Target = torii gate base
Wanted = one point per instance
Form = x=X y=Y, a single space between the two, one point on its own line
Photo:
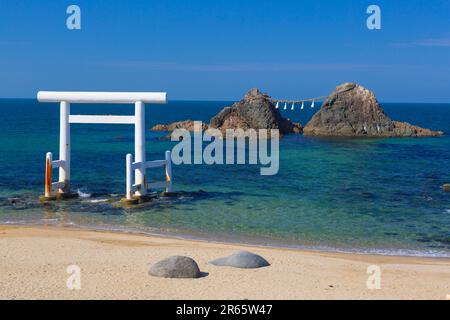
x=136 y=181
x=58 y=197
x=131 y=199
x=64 y=192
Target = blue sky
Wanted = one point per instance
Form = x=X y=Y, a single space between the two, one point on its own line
x=219 y=49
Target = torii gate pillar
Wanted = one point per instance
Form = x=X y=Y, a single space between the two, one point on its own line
x=64 y=148
x=139 y=148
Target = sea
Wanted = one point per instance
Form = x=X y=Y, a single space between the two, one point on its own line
x=368 y=196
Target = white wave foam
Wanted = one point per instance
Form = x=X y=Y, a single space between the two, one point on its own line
x=98 y=200
x=50 y=220
x=82 y=194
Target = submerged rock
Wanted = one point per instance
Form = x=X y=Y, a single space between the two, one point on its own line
x=446 y=187
x=176 y=267
x=353 y=111
x=255 y=111
x=187 y=124
x=243 y=260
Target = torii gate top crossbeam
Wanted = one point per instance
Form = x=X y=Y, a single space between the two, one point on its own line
x=103 y=97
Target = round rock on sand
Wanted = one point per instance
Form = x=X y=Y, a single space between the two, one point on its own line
x=176 y=267
x=243 y=260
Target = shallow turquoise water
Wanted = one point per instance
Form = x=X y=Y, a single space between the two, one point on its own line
x=365 y=195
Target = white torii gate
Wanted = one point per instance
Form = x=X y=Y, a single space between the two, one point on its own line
x=139 y=99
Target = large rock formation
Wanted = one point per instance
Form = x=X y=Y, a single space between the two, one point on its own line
x=353 y=111
x=255 y=111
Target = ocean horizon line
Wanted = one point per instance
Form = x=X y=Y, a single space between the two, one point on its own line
x=233 y=101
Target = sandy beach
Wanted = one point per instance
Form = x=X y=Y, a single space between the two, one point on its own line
x=34 y=261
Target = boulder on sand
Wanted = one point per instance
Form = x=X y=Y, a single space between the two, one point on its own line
x=176 y=267
x=243 y=260
x=353 y=111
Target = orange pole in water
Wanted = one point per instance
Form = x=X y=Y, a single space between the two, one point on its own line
x=48 y=175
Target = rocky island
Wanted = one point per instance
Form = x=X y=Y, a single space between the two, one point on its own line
x=255 y=111
x=349 y=111
x=353 y=111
